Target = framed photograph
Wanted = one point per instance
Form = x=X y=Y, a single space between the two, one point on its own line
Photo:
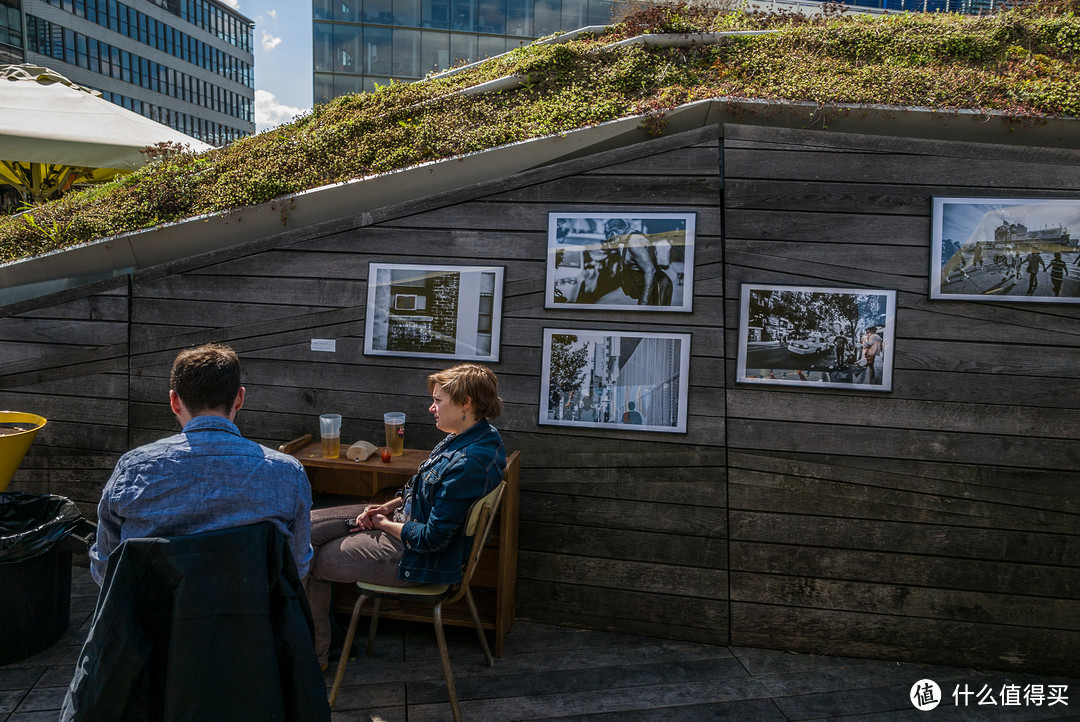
x=623 y=261
x=451 y=312
x=821 y=337
x=1016 y=249
x=615 y=380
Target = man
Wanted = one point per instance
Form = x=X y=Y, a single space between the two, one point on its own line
x=207 y=477
x=871 y=349
x=1035 y=263
x=642 y=278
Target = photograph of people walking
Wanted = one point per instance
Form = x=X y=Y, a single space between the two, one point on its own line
x=638 y=261
x=804 y=336
x=987 y=249
x=609 y=379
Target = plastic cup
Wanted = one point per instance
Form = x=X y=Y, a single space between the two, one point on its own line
x=394 y=425
x=330 y=428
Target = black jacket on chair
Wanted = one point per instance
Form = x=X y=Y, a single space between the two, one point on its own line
x=212 y=626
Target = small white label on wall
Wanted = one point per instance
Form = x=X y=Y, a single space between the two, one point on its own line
x=324 y=344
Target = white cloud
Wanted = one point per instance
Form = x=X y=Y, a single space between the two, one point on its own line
x=269 y=42
x=269 y=113
x=272 y=13
x=234 y=4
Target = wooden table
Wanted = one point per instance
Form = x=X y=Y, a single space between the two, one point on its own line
x=494 y=582
x=353 y=478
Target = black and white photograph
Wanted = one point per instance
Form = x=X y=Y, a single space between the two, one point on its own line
x=1020 y=249
x=823 y=337
x=451 y=312
x=615 y=380
x=639 y=261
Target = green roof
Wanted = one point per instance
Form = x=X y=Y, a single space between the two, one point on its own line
x=1021 y=62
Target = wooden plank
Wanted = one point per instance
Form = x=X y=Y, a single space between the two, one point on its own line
x=640 y=545
x=775 y=493
x=109 y=287
x=697 y=160
x=659 y=615
x=1035 y=488
x=819 y=166
x=903 y=569
x=909 y=601
x=752 y=136
x=902 y=638
x=618 y=574
x=62 y=331
x=885 y=443
x=951 y=541
x=862 y=410
x=671 y=190
x=673 y=517
x=843 y=229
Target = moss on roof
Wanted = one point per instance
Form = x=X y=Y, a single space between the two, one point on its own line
x=1021 y=61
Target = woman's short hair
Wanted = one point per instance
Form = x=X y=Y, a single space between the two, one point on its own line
x=472 y=381
x=206 y=377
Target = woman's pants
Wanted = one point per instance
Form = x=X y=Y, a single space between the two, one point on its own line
x=370 y=556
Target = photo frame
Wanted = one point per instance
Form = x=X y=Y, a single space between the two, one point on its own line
x=1015 y=249
x=615 y=379
x=433 y=311
x=621 y=261
x=816 y=337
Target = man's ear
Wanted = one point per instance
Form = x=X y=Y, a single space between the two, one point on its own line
x=238 y=403
x=174 y=402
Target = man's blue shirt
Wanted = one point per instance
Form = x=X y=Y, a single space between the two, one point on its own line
x=207 y=477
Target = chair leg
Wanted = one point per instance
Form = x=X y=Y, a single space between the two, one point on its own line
x=440 y=636
x=377 y=607
x=349 y=636
x=479 y=628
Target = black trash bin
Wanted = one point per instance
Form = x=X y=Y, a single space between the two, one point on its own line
x=35 y=570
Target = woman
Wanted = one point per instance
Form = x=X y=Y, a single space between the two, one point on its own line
x=415 y=538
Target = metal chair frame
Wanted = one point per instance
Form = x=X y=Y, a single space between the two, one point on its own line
x=478 y=525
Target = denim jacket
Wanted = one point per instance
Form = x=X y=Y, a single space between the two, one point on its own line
x=460 y=470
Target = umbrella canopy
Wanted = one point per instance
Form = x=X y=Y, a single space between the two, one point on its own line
x=55 y=134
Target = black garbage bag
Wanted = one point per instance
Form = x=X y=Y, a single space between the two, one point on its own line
x=38 y=534
x=33 y=523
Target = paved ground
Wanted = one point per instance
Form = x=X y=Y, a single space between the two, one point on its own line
x=557 y=673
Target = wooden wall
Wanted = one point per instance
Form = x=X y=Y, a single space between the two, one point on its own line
x=938 y=522
x=66 y=358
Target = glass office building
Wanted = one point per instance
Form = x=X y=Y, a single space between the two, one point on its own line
x=188 y=64
x=358 y=43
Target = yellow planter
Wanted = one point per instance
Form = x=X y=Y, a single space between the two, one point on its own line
x=13 y=446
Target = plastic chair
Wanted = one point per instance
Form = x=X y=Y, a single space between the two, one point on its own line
x=478 y=526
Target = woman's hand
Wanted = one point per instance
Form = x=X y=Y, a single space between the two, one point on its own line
x=383 y=523
x=366 y=519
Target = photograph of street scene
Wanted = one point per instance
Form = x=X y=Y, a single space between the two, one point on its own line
x=986 y=249
x=607 y=379
x=643 y=261
x=804 y=336
x=451 y=312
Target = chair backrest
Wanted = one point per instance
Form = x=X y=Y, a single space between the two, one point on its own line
x=478 y=526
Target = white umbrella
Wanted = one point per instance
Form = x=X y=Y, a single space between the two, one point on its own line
x=55 y=134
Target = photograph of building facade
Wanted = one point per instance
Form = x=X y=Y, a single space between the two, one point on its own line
x=606 y=379
x=188 y=64
x=432 y=311
x=358 y=43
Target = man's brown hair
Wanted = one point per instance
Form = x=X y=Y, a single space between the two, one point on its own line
x=206 y=377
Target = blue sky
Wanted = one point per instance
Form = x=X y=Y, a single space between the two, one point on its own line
x=282 y=58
